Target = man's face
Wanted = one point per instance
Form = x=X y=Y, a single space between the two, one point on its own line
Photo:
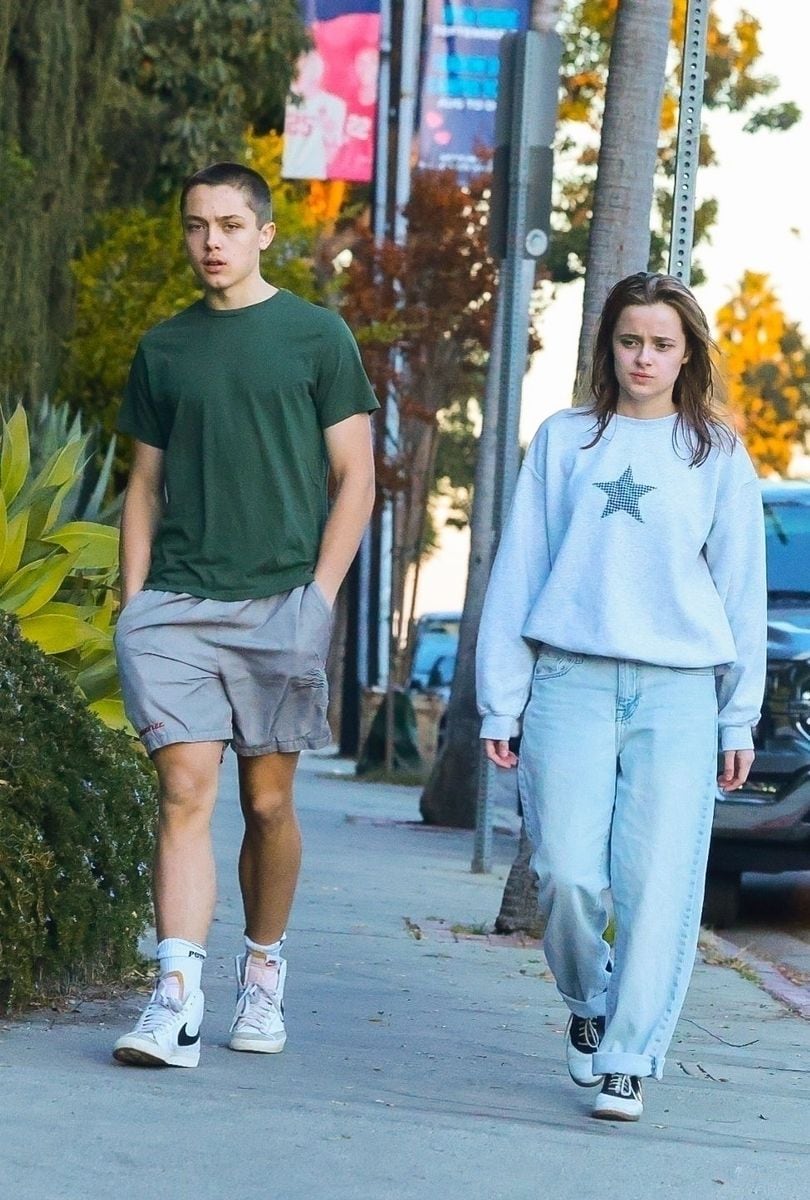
x=223 y=239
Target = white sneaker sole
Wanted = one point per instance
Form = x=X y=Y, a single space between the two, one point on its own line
x=618 y=1110
x=257 y=1045
x=135 y=1052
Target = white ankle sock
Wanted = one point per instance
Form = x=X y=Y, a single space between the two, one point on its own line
x=176 y=956
x=271 y=952
x=263 y=962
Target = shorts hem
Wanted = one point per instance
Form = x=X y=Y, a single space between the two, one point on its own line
x=158 y=741
x=283 y=746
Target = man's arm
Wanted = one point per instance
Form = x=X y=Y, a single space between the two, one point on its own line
x=143 y=505
x=351 y=458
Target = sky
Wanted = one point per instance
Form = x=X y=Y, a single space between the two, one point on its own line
x=764 y=215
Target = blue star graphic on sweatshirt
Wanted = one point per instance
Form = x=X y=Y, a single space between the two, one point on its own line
x=624 y=494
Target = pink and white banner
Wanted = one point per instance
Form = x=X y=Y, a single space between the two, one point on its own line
x=330 y=119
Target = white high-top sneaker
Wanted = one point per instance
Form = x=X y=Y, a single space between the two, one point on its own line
x=258 y=1024
x=167 y=1033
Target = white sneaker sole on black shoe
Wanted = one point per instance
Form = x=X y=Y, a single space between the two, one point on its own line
x=580 y=1064
x=162 y=1038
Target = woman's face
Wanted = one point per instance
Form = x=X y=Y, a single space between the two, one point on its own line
x=649 y=349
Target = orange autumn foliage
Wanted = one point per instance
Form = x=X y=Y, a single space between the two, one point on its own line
x=767 y=364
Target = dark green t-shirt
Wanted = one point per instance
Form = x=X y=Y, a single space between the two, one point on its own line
x=238 y=401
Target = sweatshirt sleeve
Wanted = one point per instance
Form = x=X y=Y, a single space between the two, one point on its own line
x=735 y=552
x=504 y=660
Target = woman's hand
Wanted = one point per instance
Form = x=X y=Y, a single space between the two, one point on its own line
x=736 y=765
x=499 y=752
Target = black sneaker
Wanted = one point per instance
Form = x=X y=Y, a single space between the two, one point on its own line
x=620 y=1099
x=583 y=1036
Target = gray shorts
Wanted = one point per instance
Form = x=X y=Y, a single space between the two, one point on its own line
x=250 y=672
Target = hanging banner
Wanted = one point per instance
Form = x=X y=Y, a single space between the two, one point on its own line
x=330 y=118
x=460 y=81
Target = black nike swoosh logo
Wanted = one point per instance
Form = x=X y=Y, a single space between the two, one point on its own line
x=184 y=1040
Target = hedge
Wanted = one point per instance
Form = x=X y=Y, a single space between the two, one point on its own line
x=77 y=815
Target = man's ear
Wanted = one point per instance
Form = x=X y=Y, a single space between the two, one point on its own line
x=266 y=235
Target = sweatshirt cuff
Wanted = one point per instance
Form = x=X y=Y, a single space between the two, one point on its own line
x=736 y=737
x=499 y=728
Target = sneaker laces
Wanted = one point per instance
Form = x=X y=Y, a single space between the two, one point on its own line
x=161 y=1010
x=621 y=1085
x=254 y=1008
x=589 y=1033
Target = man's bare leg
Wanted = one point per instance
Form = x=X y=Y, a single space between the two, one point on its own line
x=270 y=858
x=185 y=878
x=168 y=1031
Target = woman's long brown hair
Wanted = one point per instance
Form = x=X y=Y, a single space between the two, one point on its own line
x=698 y=392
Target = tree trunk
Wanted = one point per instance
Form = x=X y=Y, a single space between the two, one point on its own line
x=519 y=912
x=450 y=795
x=619 y=241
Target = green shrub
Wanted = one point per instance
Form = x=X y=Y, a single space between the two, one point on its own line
x=77 y=813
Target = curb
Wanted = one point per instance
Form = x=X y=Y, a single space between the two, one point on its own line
x=772 y=980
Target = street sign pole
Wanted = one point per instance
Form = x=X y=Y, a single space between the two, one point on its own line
x=528 y=85
x=688 y=150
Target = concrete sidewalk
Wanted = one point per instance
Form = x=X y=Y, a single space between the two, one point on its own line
x=419 y=1064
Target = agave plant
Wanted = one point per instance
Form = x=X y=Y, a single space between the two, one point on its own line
x=58 y=565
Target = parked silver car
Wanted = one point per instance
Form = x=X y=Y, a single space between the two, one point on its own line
x=766 y=825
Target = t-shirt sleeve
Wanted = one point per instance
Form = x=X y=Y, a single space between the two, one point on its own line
x=140 y=415
x=342 y=388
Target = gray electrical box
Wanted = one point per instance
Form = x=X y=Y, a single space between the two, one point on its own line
x=526 y=118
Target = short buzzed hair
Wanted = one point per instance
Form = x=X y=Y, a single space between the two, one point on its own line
x=231 y=174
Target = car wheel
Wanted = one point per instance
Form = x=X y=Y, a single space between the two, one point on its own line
x=721 y=903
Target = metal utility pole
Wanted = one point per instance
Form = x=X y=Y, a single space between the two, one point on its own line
x=406 y=115
x=366 y=643
x=688 y=150
x=526 y=118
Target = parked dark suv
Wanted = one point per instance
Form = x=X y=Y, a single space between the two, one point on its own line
x=766 y=826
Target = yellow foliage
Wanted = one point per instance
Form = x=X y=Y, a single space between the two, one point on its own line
x=766 y=368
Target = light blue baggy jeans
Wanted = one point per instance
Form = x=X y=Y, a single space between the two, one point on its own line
x=617 y=771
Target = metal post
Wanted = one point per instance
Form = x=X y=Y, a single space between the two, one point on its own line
x=406 y=115
x=688 y=151
x=526 y=122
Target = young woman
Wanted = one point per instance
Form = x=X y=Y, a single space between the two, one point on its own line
x=624 y=625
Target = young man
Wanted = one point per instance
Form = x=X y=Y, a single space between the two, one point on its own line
x=231 y=561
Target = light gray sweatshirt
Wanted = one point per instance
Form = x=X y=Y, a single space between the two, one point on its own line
x=627 y=551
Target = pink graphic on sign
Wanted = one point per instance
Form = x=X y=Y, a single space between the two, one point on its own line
x=329 y=131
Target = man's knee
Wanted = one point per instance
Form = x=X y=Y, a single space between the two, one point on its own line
x=187 y=787
x=268 y=807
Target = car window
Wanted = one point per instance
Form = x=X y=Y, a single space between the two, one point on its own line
x=787 y=532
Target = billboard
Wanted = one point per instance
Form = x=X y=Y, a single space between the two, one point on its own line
x=330 y=119
x=460 y=80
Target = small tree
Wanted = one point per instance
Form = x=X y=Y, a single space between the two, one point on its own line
x=430 y=300
x=767 y=363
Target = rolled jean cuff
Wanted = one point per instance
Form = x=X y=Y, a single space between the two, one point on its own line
x=595 y=1007
x=618 y=1063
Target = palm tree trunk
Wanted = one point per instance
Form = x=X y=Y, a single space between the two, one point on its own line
x=451 y=792
x=619 y=240
x=519 y=912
